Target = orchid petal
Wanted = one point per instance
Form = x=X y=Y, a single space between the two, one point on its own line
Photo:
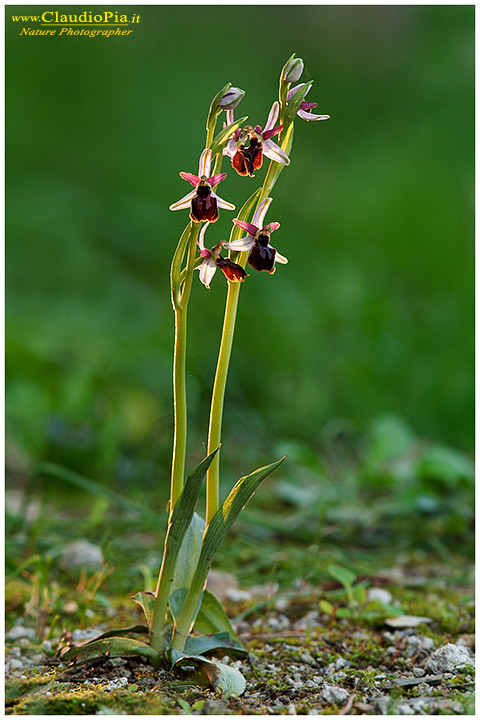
x=280 y=258
x=275 y=152
x=207 y=271
x=260 y=213
x=272 y=117
x=272 y=226
x=205 y=162
x=200 y=241
x=212 y=181
x=184 y=202
x=245 y=243
x=231 y=147
x=189 y=177
x=223 y=204
x=293 y=90
x=267 y=134
x=310 y=116
x=251 y=229
x=308 y=106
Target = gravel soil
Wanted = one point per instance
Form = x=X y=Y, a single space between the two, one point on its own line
x=301 y=659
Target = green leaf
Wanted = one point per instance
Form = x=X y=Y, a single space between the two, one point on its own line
x=343 y=613
x=326 y=607
x=446 y=465
x=222 y=137
x=389 y=609
x=186 y=564
x=275 y=169
x=212 y=617
x=200 y=644
x=226 y=515
x=215 y=110
x=220 y=524
x=118 y=632
x=294 y=105
x=175 y=274
x=390 y=438
x=179 y=523
x=359 y=594
x=146 y=600
x=184 y=705
x=114 y=647
x=344 y=576
x=212 y=673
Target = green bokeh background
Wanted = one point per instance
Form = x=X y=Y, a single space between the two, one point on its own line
x=372 y=315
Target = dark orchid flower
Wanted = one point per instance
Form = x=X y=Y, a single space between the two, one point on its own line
x=212 y=260
x=202 y=201
x=246 y=147
x=262 y=255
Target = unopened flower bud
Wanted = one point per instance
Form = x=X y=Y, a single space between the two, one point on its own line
x=231 y=98
x=293 y=71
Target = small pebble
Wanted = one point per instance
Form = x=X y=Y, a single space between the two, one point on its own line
x=19 y=631
x=278 y=623
x=449 y=658
x=379 y=594
x=13 y=664
x=81 y=554
x=307 y=658
x=418 y=672
x=236 y=595
x=335 y=695
x=404 y=709
x=281 y=604
x=79 y=635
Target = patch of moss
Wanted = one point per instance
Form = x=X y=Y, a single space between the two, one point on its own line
x=16 y=688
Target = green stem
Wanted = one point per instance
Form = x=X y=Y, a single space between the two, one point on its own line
x=159 y=617
x=180 y=303
x=218 y=395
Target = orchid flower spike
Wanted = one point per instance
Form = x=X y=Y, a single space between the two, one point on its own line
x=305 y=110
x=246 y=158
x=262 y=255
x=202 y=201
x=213 y=259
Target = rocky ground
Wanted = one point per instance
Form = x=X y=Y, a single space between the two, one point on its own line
x=303 y=658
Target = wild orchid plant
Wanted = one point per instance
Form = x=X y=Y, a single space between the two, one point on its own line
x=191 y=542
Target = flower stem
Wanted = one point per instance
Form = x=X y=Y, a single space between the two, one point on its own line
x=218 y=395
x=180 y=303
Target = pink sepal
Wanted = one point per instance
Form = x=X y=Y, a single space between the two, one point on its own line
x=272 y=226
x=192 y=179
x=267 y=134
x=212 y=181
x=251 y=229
